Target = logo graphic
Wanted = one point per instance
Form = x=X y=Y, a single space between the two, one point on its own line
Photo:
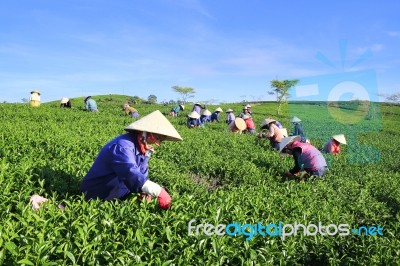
x=347 y=103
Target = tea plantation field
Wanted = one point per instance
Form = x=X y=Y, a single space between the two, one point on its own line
x=214 y=177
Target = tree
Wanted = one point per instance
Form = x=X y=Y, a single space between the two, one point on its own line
x=24 y=100
x=393 y=98
x=281 y=89
x=152 y=99
x=185 y=92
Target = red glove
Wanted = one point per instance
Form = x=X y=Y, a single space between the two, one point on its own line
x=164 y=199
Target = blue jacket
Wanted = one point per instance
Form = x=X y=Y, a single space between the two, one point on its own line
x=176 y=109
x=205 y=118
x=298 y=130
x=119 y=169
x=193 y=122
x=215 y=117
x=91 y=105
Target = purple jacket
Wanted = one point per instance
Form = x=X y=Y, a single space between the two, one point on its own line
x=119 y=169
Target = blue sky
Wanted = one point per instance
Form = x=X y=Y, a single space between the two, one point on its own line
x=228 y=51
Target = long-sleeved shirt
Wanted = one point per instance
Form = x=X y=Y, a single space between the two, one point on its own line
x=197 y=109
x=176 y=109
x=215 y=117
x=230 y=118
x=298 y=131
x=119 y=169
x=332 y=147
x=306 y=157
x=193 y=122
x=205 y=118
x=91 y=105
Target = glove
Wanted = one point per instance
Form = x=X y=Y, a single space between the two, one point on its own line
x=164 y=199
x=36 y=201
x=153 y=189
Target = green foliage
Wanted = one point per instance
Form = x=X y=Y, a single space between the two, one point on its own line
x=185 y=92
x=213 y=176
x=281 y=89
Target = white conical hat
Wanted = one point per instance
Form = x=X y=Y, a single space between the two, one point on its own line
x=295 y=119
x=340 y=138
x=206 y=112
x=229 y=110
x=248 y=106
x=288 y=140
x=182 y=106
x=64 y=100
x=155 y=122
x=35 y=91
x=240 y=124
x=267 y=121
x=218 y=109
x=194 y=115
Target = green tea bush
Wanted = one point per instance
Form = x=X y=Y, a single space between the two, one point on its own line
x=213 y=177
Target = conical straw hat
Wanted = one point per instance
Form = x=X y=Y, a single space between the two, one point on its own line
x=64 y=100
x=288 y=140
x=340 y=138
x=240 y=124
x=295 y=119
x=194 y=115
x=35 y=91
x=155 y=122
x=229 y=110
x=182 y=106
x=267 y=121
x=206 y=112
x=248 y=106
x=218 y=109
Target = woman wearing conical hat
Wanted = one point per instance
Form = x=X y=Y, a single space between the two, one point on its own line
x=229 y=116
x=205 y=117
x=306 y=157
x=274 y=134
x=176 y=109
x=129 y=110
x=197 y=108
x=298 y=129
x=65 y=102
x=333 y=146
x=34 y=99
x=215 y=115
x=237 y=125
x=193 y=120
x=121 y=169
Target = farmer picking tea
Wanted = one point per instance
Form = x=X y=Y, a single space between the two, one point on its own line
x=274 y=134
x=306 y=157
x=121 y=168
x=333 y=146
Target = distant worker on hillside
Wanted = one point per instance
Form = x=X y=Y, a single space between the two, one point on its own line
x=34 y=99
x=215 y=115
x=129 y=110
x=274 y=134
x=90 y=104
x=306 y=157
x=250 y=127
x=244 y=112
x=237 y=125
x=248 y=106
x=121 y=168
x=229 y=116
x=193 y=120
x=333 y=146
x=176 y=109
x=65 y=102
x=298 y=129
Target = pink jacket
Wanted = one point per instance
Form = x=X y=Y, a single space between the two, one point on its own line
x=311 y=159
